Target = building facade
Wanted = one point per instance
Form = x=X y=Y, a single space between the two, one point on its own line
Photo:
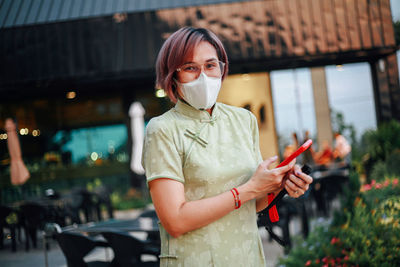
x=68 y=65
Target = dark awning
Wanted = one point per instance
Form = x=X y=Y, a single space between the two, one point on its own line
x=258 y=35
x=16 y=13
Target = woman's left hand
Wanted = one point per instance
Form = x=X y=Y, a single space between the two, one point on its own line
x=297 y=182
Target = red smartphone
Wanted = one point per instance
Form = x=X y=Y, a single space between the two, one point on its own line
x=295 y=154
x=273 y=213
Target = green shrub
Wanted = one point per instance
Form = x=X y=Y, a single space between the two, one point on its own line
x=368 y=236
x=381 y=151
x=393 y=164
x=379 y=169
x=388 y=168
x=380 y=143
x=377 y=192
x=366 y=240
x=125 y=201
x=350 y=193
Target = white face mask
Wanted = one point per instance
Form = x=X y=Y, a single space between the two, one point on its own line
x=201 y=93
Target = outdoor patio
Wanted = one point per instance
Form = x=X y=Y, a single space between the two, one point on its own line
x=35 y=257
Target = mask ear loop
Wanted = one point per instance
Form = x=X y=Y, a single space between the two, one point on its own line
x=177 y=90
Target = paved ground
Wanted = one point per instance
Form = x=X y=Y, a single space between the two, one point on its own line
x=35 y=257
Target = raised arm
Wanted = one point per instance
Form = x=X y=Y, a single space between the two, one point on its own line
x=179 y=216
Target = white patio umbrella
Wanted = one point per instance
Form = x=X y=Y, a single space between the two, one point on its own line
x=19 y=172
x=136 y=113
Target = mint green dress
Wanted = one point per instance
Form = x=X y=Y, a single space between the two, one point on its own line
x=209 y=155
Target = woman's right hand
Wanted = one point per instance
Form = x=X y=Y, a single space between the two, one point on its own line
x=266 y=180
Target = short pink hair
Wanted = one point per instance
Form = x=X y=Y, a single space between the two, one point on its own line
x=176 y=49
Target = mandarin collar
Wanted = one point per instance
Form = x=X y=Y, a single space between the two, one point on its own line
x=196 y=114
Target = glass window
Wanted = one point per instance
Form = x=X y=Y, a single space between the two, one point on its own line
x=350 y=92
x=95 y=143
x=293 y=104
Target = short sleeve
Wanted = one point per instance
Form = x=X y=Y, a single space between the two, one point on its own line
x=160 y=157
x=256 y=138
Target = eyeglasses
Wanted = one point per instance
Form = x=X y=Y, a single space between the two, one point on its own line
x=212 y=68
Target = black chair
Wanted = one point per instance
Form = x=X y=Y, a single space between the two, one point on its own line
x=76 y=246
x=102 y=194
x=33 y=218
x=128 y=250
x=56 y=208
x=152 y=237
x=326 y=189
x=87 y=203
x=77 y=201
x=72 y=204
x=287 y=208
x=150 y=213
x=13 y=225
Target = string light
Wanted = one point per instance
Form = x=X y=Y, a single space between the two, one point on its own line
x=339 y=68
x=36 y=132
x=24 y=131
x=160 y=93
x=246 y=76
x=94 y=156
x=71 y=95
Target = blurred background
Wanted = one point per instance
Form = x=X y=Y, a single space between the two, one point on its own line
x=71 y=71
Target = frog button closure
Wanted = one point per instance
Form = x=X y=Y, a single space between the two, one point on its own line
x=211 y=120
x=196 y=137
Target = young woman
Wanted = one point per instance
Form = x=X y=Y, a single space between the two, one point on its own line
x=203 y=165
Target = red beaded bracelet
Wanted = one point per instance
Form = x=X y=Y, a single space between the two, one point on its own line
x=235 y=194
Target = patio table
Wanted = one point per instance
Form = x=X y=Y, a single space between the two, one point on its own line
x=146 y=224
x=149 y=225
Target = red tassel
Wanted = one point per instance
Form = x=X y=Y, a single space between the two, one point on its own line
x=273 y=212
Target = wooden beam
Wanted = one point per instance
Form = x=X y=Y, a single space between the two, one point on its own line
x=386 y=88
x=364 y=23
x=341 y=25
x=321 y=106
x=387 y=24
x=352 y=26
x=375 y=23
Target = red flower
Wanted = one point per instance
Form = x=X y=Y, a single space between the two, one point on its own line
x=386 y=183
x=378 y=186
x=317 y=261
x=373 y=182
x=308 y=263
x=346 y=258
x=344 y=252
x=335 y=240
x=395 y=181
x=366 y=187
x=325 y=260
